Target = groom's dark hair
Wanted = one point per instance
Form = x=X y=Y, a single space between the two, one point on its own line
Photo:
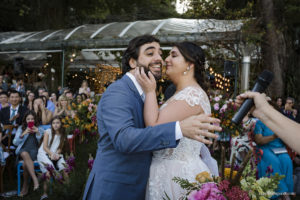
x=133 y=50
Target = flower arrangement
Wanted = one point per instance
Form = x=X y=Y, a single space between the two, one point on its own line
x=57 y=175
x=224 y=110
x=233 y=184
x=84 y=121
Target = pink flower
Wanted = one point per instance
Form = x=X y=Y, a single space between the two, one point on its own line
x=217 y=99
x=223 y=109
x=208 y=191
x=224 y=185
x=216 y=106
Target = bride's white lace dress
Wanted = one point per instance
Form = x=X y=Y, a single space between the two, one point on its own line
x=183 y=161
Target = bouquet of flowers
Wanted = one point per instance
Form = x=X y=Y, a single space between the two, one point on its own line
x=84 y=121
x=233 y=184
x=224 y=110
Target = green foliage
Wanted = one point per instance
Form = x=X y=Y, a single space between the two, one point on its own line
x=74 y=187
x=220 y=9
x=56 y=14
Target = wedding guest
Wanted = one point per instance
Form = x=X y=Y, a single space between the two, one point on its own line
x=283 y=127
x=241 y=144
x=78 y=99
x=288 y=109
x=29 y=100
x=53 y=98
x=280 y=162
x=63 y=107
x=49 y=104
x=279 y=102
x=40 y=91
x=3 y=100
x=43 y=114
x=85 y=88
x=84 y=96
x=2 y=157
x=13 y=114
x=19 y=86
x=27 y=141
x=3 y=85
x=69 y=95
x=51 y=151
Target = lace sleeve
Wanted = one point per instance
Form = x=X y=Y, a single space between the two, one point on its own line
x=194 y=97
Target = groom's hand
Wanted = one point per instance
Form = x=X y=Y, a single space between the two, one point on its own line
x=195 y=127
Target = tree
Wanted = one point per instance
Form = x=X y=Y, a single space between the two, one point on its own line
x=274 y=25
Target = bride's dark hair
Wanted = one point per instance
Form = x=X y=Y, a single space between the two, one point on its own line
x=194 y=54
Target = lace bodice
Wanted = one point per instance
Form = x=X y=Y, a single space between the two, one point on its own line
x=187 y=148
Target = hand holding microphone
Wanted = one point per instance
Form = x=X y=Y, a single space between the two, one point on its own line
x=260 y=86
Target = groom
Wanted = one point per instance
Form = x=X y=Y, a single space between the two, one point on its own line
x=121 y=166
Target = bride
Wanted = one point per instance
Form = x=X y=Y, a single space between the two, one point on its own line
x=185 y=68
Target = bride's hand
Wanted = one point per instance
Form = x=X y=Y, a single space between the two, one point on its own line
x=148 y=83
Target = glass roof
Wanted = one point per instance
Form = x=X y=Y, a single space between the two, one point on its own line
x=107 y=33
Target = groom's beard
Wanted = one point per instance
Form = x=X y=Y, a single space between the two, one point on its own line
x=147 y=69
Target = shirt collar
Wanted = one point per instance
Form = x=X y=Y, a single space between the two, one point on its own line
x=17 y=108
x=137 y=85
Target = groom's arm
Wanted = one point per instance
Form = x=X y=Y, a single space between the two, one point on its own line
x=117 y=110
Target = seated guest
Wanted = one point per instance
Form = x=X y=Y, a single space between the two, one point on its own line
x=43 y=114
x=27 y=141
x=53 y=98
x=84 y=88
x=3 y=85
x=13 y=115
x=51 y=151
x=49 y=104
x=19 y=86
x=241 y=144
x=78 y=99
x=29 y=100
x=84 y=97
x=288 y=109
x=4 y=100
x=63 y=107
x=279 y=161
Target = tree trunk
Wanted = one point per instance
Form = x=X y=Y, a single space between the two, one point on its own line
x=273 y=48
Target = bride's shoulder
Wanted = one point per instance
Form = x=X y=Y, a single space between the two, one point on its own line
x=193 y=95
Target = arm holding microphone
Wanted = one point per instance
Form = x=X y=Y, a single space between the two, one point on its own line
x=285 y=128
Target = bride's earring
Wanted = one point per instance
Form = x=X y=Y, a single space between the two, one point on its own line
x=187 y=69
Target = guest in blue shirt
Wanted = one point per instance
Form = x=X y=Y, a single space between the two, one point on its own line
x=281 y=163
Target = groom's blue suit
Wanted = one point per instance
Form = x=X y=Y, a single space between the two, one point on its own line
x=123 y=159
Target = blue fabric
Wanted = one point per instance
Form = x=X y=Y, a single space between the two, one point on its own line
x=19 y=142
x=121 y=166
x=50 y=106
x=281 y=163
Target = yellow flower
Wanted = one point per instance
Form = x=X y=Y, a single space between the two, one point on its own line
x=63 y=121
x=227 y=173
x=203 y=177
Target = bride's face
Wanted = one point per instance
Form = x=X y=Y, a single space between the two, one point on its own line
x=175 y=63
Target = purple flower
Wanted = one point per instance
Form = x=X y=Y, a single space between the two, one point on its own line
x=76 y=131
x=208 y=191
x=90 y=163
x=216 y=106
x=94 y=118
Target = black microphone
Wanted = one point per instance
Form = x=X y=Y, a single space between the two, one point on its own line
x=261 y=85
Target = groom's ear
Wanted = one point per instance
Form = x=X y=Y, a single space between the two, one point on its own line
x=132 y=63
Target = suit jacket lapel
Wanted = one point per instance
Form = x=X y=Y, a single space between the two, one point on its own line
x=132 y=87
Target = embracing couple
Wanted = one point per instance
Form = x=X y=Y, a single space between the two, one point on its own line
x=141 y=148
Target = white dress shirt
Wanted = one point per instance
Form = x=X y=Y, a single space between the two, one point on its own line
x=178 y=132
